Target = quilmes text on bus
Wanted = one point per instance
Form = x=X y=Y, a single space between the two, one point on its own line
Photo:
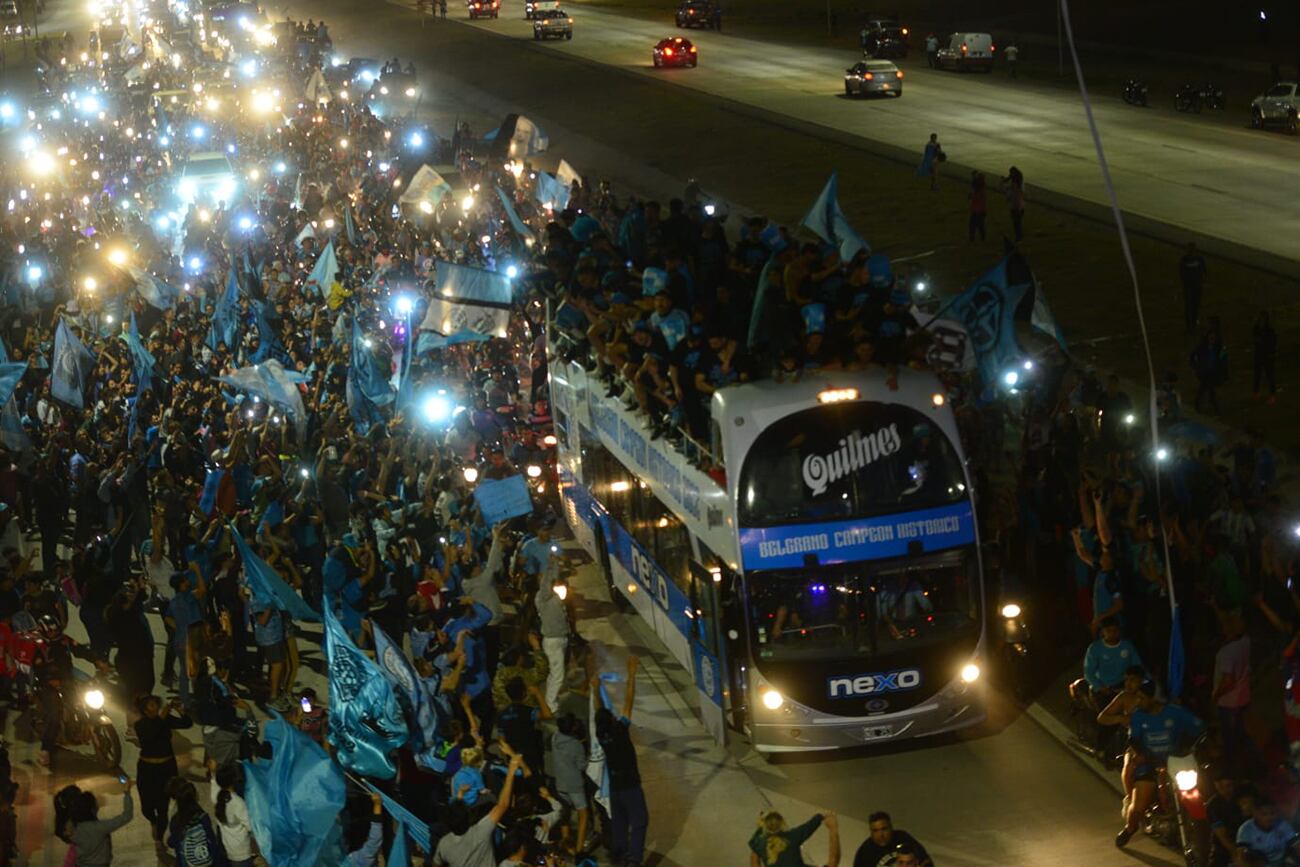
x=821 y=580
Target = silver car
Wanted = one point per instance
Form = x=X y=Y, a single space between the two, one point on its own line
x=553 y=23
x=873 y=78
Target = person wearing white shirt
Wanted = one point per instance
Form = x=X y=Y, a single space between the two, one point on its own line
x=232 y=816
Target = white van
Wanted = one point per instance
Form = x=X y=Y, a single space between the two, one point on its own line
x=966 y=51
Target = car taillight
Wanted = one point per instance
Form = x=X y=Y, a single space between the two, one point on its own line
x=692 y=49
x=668 y=52
x=545 y=21
x=898 y=74
x=963 y=48
x=992 y=48
x=904 y=31
x=868 y=75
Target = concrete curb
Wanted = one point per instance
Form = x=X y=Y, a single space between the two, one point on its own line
x=1058 y=730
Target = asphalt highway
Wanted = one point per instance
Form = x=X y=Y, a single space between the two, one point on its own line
x=1207 y=173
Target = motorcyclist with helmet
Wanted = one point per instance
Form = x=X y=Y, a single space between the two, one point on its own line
x=52 y=670
x=1156 y=731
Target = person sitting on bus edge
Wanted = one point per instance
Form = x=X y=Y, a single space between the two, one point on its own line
x=1118 y=713
x=776 y=844
x=885 y=843
x=1156 y=731
x=1105 y=665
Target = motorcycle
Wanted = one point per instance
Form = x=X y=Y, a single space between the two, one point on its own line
x=1178 y=818
x=1135 y=92
x=1194 y=97
x=1015 y=648
x=84 y=720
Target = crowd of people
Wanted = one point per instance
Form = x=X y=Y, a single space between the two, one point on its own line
x=207 y=392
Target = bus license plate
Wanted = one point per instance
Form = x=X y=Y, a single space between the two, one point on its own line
x=875 y=733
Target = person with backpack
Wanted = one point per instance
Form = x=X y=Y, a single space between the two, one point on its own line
x=192 y=837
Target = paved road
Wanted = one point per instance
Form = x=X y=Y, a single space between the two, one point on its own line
x=1011 y=795
x=1196 y=172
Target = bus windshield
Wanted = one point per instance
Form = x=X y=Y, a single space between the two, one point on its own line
x=865 y=609
x=849 y=460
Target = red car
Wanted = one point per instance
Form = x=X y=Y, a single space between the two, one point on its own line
x=484 y=9
x=675 y=51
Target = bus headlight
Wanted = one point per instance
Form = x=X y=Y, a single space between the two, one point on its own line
x=95 y=700
x=1185 y=780
x=772 y=700
x=970 y=673
x=1011 y=611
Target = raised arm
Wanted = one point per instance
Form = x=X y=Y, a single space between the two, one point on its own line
x=503 y=800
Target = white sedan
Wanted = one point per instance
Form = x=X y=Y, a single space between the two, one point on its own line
x=873 y=78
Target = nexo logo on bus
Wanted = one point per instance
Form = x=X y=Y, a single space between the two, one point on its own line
x=873 y=684
x=645 y=572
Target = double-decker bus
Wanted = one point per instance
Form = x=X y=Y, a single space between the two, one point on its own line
x=818 y=572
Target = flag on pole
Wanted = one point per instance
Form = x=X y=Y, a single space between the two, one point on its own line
x=367 y=387
x=142 y=359
x=826 y=220
x=154 y=291
x=325 y=271
x=365 y=720
x=225 y=318
x=469 y=299
x=71 y=367
x=413 y=825
x=988 y=311
x=349 y=227
x=420 y=717
x=294 y=800
x=11 y=373
x=267 y=586
x=521 y=229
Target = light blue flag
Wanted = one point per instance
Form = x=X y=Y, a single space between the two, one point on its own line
x=71 y=367
x=365 y=719
x=517 y=224
x=1042 y=318
x=987 y=310
x=826 y=220
x=294 y=800
x=551 y=192
x=268 y=341
x=12 y=433
x=420 y=717
x=225 y=318
x=325 y=271
x=11 y=373
x=367 y=386
x=270 y=381
x=4 y=353
x=154 y=291
x=267 y=586
x=411 y=823
x=141 y=358
x=398 y=854
x=428 y=341
x=349 y=227
x=758 y=325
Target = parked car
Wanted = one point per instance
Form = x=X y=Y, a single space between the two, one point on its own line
x=967 y=51
x=873 y=78
x=1277 y=106
x=698 y=13
x=884 y=37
